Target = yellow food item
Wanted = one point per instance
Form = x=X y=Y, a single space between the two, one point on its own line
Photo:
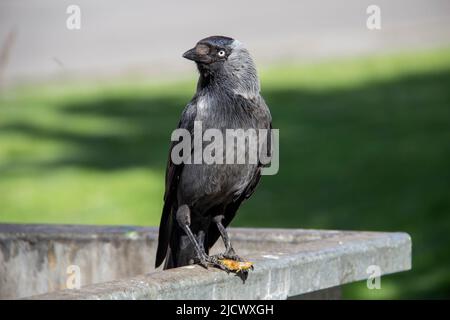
x=236 y=266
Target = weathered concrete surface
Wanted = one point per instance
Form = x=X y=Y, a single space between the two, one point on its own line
x=117 y=263
x=34 y=258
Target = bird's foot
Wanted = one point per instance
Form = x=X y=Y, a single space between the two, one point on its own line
x=231 y=255
x=234 y=263
x=226 y=262
x=214 y=261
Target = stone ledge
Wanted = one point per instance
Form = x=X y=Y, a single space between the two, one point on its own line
x=119 y=260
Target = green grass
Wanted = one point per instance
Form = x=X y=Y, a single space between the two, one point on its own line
x=365 y=145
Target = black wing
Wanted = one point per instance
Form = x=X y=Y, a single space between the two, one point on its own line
x=231 y=208
x=173 y=173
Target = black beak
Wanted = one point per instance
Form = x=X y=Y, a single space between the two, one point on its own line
x=191 y=55
x=199 y=55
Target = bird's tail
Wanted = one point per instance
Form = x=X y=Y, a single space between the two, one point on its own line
x=181 y=251
x=165 y=233
x=169 y=261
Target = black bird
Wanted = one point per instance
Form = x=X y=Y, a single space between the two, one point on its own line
x=200 y=200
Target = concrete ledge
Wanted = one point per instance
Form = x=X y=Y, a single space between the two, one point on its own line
x=116 y=263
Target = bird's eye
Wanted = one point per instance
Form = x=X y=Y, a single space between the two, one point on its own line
x=221 y=53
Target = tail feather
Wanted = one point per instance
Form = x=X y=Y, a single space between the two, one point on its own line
x=165 y=231
x=174 y=245
x=181 y=251
x=169 y=263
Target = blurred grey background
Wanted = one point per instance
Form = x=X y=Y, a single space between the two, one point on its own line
x=148 y=36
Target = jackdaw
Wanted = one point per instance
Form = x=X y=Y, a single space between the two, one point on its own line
x=200 y=200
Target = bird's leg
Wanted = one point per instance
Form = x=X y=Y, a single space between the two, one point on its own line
x=201 y=240
x=229 y=251
x=184 y=220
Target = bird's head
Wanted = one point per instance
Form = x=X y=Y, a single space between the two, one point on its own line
x=226 y=59
x=215 y=49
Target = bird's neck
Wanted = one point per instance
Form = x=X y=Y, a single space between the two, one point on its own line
x=229 y=82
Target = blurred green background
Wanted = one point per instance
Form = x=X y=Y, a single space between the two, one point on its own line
x=365 y=145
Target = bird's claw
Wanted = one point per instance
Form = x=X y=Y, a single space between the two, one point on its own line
x=228 y=261
x=234 y=263
x=206 y=261
x=231 y=255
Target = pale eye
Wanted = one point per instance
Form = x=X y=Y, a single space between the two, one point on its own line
x=221 y=53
